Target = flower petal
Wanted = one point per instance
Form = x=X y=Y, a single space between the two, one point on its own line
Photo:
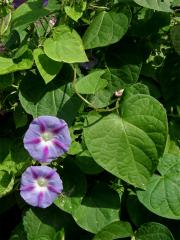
x=46 y=150
x=36 y=194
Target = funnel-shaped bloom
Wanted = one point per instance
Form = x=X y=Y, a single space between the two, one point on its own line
x=40 y=186
x=47 y=138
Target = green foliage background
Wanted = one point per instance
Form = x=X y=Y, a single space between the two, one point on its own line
x=111 y=70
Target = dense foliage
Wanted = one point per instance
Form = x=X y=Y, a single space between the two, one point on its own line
x=111 y=71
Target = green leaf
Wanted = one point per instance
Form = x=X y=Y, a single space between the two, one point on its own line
x=91 y=83
x=65 y=46
x=129 y=145
x=124 y=63
x=20 y=117
x=98 y=209
x=46 y=66
x=14 y=158
x=87 y=164
x=152 y=231
x=162 y=194
x=175 y=37
x=6 y=182
x=159 y=5
x=115 y=230
x=55 y=102
x=43 y=224
x=107 y=28
x=7 y=65
x=75 y=12
x=5 y=81
x=35 y=227
x=27 y=13
x=18 y=233
x=74 y=187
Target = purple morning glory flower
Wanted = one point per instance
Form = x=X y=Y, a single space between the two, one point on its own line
x=17 y=3
x=89 y=65
x=40 y=186
x=47 y=138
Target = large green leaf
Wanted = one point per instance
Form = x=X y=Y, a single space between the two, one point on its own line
x=91 y=83
x=98 y=209
x=8 y=65
x=159 y=5
x=162 y=194
x=152 y=231
x=115 y=230
x=129 y=145
x=65 y=46
x=107 y=28
x=74 y=187
x=46 y=66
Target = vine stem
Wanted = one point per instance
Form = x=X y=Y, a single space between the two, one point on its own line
x=90 y=104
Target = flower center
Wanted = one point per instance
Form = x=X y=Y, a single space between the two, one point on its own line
x=47 y=136
x=42 y=182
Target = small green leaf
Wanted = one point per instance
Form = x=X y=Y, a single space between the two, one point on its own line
x=159 y=5
x=75 y=12
x=91 y=83
x=99 y=208
x=6 y=182
x=162 y=194
x=46 y=66
x=152 y=231
x=115 y=230
x=107 y=28
x=65 y=46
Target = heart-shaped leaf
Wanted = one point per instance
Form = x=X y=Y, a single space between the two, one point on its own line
x=46 y=66
x=107 y=28
x=65 y=46
x=129 y=145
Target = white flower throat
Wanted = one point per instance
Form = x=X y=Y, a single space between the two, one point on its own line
x=47 y=136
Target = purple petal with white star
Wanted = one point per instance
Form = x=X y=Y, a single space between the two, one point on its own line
x=36 y=195
x=46 y=150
